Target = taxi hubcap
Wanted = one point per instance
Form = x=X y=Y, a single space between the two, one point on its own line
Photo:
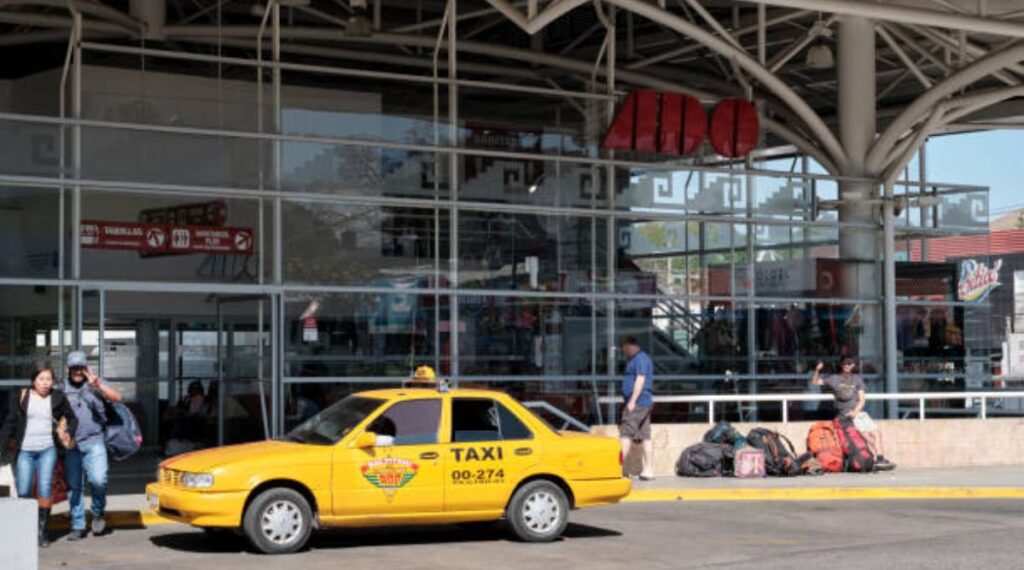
x=281 y=522
x=541 y=512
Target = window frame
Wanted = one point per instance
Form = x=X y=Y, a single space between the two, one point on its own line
x=396 y=442
x=494 y=402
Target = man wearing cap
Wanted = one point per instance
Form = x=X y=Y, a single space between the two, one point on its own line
x=86 y=392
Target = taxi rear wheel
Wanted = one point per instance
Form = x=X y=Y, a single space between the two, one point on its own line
x=278 y=521
x=538 y=511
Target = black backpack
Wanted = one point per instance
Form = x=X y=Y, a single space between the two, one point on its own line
x=121 y=433
x=706 y=460
x=723 y=432
x=779 y=454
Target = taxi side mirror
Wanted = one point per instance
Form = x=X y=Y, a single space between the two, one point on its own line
x=365 y=440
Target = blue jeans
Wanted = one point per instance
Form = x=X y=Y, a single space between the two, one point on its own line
x=90 y=457
x=35 y=465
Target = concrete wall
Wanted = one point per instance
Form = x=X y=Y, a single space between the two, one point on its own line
x=911 y=444
x=18 y=525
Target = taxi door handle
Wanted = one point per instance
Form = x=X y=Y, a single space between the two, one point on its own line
x=429 y=455
x=523 y=451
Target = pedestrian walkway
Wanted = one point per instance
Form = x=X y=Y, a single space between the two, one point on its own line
x=999 y=482
x=995 y=482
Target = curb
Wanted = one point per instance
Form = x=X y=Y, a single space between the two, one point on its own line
x=143 y=518
x=824 y=494
x=146 y=518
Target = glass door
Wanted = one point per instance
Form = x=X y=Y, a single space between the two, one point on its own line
x=194 y=367
x=244 y=368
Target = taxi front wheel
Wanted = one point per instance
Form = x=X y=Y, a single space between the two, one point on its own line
x=538 y=511
x=278 y=521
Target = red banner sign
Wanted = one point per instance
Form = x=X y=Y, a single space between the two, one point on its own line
x=117 y=235
x=194 y=239
x=153 y=239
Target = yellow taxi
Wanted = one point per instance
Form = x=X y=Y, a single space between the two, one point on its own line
x=415 y=455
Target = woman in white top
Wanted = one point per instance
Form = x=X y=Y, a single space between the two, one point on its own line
x=30 y=430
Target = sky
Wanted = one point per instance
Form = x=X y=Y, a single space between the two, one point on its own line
x=992 y=158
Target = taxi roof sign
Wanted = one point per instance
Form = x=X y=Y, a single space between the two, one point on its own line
x=425 y=376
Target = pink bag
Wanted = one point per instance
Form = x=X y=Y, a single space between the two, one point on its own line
x=749 y=463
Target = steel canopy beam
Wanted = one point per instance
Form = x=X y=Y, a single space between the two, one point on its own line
x=828 y=152
x=724 y=47
x=904 y=15
x=923 y=105
x=533 y=23
x=772 y=82
x=925 y=81
x=737 y=34
x=126 y=21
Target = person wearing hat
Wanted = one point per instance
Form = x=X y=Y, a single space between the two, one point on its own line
x=88 y=460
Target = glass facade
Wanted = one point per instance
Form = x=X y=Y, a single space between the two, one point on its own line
x=274 y=273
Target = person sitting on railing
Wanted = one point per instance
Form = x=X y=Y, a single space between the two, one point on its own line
x=848 y=389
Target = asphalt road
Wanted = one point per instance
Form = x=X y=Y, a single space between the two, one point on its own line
x=784 y=535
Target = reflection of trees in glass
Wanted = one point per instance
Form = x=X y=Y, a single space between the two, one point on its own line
x=326 y=243
x=675 y=251
x=785 y=243
x=669 y=270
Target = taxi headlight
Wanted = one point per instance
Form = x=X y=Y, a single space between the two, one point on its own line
x=196 y=480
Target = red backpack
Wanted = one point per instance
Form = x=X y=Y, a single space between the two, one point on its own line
x=823 y=442
x=858 y=456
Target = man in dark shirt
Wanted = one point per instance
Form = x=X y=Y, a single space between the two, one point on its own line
x=87 y=461
x=848 y=389
x=637 y=392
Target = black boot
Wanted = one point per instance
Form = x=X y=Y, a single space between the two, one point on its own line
x=44 y=521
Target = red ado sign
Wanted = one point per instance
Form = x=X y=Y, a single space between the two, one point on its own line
x=166 y=239
x=674 y=123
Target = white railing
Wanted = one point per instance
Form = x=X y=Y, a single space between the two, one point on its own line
x=785 y=399
x=548 y=407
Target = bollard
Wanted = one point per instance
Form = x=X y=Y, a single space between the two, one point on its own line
x=18 y=527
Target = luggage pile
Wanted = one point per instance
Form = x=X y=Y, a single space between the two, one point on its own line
x=832 y=447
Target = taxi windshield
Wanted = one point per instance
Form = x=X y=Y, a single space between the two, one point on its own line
x=332 y=424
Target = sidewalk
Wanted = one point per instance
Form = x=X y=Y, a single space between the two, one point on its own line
x=995 y=482
x=1000 y=482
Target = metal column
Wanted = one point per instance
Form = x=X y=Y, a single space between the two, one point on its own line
x=102 y=331
x=857 y=128
x=276 y=87
x=76 y=154
x=889 y=307
x=612 y=230
x=453 y=187
x=277 y=381
x=276 y=364
x=76 y=162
